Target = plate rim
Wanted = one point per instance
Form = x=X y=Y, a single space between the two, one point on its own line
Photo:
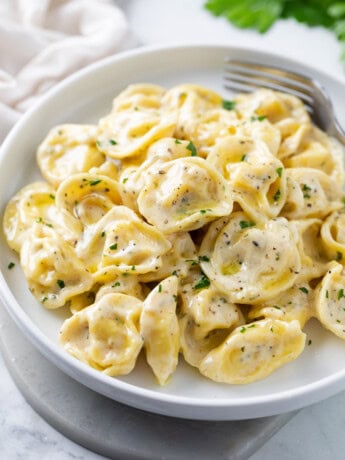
x=246 y=407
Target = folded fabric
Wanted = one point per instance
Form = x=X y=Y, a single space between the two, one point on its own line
x=44 y=41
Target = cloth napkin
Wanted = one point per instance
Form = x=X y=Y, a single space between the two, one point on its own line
x=44 y=41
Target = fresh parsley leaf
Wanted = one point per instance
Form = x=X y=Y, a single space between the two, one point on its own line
x=192 y=149
x=262 y=14
x=254 y=14
x=228 y=105
x=246 y=224
x=203 y=282
x=276 y=196
x=95 y=182
x=60 y=283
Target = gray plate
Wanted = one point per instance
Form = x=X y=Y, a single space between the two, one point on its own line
x=117 y=431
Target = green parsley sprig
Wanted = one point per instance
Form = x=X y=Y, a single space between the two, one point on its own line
x=262 y=14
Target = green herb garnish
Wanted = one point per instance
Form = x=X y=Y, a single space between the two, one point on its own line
x=60 y=283
x=304 y=290
x=203 y=282
x=228 y=105
x=11 y=265
x=246 y=224
x=192 y=149
x=276 y=196
x=279 y=171
x=113 y=247
x=95 y=182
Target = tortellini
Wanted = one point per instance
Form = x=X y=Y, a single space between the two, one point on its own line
x=106 y=335
x=159 y=329
x=53 y=271
x=68 y=149
x=330 y=300
x=251 y=262
x=256 y=178
x=183 y=195
x=185 y=223
x=253 y=351
x=33 y=203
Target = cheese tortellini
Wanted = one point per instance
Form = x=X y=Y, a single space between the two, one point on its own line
x=186 y=224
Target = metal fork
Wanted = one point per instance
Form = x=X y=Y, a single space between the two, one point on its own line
x=246 y=76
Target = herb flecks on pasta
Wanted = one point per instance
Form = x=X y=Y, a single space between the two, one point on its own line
x=185 y=222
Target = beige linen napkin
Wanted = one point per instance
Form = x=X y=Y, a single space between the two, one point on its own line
x=43 y=41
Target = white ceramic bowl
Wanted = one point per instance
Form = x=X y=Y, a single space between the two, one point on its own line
x=318 y=373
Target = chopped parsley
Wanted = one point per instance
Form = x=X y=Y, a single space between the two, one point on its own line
x=243 y=329
x=340 y=294
x=194 y=262
x=113 y=247
x=327 y=294
x=99 y=144
x=192 y=149
x=258 y=118
x=112 y=142
x=103 y=234
x=279 y=171
x=203 y=282
x=116 y=284
x=51 y=196
x=95 y=182
x=309 y=342
x=244 y=157
x=204 y=211
x=246 y=224
x=124 y=180
x=271 y=328
x=44 y=299
x=228 y=105
x=277 y=195
x=60 y=283
x=304 y=290
x=11 y=265
x=133 y=267
x=159 y=288
x=276 y=307
x=177 y=141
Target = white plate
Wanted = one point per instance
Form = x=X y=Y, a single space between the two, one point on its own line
x=318 y=373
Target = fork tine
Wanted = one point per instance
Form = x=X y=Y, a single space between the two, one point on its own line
x=270 y=84
x=284 y=81
x=272 y=70
x=245 y=87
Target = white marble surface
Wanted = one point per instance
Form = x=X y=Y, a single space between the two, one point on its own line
x=317 y=431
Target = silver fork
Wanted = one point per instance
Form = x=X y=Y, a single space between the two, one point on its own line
x=246 y=76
